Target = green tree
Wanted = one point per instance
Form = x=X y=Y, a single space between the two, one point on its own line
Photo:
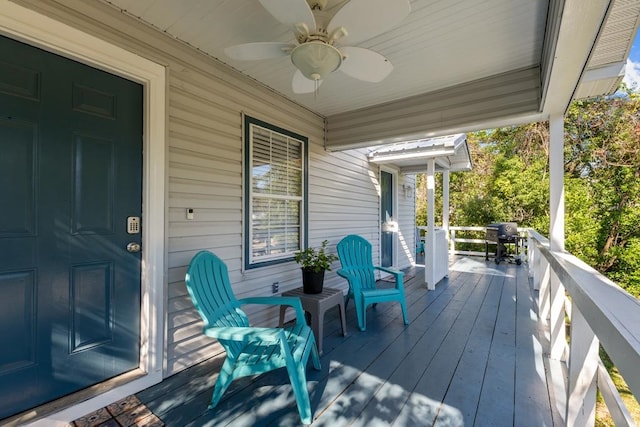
x=602 y=155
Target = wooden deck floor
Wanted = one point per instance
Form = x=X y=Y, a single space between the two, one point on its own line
x=469 y=357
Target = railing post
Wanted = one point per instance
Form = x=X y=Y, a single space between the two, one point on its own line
x=532 y=258
x=452 y=241
x=583 y=368
x=558 y=338
x=543 y=279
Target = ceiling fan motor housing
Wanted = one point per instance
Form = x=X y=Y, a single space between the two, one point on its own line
x=316 y=59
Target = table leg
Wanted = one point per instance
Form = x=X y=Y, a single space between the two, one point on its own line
x=316 y=326
x=283 y=309
x=343 y=319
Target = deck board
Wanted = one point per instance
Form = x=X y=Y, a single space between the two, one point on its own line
x=424 y=404
x=532 y=405
x=468 y=357
x=495 y=406
x=466 y=385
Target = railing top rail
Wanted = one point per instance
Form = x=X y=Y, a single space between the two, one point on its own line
x=479 y=228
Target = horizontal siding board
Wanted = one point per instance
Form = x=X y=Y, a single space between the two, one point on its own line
x=189 y=95
x=182 y=318
x=183 y=170
x=180 y=303
x=216 y=164
x=178 y=290
x=197 y=133
x=201 y=116
x=176 y=350
x=200 y=228
x=178 y=215
x=222 y=191
x=204 y=200
x=219 y=148
x=185 y=331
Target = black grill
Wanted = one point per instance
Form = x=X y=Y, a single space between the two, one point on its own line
x=505 y=236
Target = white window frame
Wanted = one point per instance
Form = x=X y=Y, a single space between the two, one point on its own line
x=251 y=262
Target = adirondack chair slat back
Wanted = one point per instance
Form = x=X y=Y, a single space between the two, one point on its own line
x=355 y=255
x=210 y=290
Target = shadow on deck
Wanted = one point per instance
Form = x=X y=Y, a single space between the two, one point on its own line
x=471 y=355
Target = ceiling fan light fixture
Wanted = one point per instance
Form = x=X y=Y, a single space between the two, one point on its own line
x=316 y=59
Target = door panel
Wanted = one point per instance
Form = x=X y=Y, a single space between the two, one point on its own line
x=386 y=218
x=17 y=178
x=70 y=175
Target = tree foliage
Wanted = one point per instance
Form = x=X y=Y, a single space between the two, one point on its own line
x=602 y=158
x=510 y=182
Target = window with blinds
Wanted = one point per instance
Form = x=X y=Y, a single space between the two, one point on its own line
x=275 y=193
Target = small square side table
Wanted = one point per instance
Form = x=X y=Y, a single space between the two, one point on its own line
x=316 y=305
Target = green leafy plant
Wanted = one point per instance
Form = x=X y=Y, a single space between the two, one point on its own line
x=315 y=260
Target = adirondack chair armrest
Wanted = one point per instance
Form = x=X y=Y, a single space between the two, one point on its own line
x=293 y=302
x=399 y=275
x=238 y=333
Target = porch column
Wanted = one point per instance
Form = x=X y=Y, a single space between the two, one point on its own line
x=445 y=201
x=556 y=181
x=445 y=210
x=430 y=252
x=556 y=233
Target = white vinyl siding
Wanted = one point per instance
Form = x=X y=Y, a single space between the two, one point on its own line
x=274 y=212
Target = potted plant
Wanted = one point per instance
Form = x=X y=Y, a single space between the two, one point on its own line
x=314 y=263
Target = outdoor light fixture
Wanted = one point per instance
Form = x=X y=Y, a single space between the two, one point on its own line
x=316 y=59
x=407 y=190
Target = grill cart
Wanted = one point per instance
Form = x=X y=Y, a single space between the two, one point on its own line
x=504 y=235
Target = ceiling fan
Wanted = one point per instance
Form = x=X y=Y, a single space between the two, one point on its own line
x=317 y=29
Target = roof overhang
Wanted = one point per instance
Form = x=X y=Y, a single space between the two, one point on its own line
x=586 y=45
x=449 y=152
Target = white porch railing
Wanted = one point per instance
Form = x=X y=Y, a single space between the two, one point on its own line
x=600 y=313
x=478 y=241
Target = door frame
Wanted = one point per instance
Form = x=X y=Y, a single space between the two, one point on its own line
x=38 y=30
x=394 y=206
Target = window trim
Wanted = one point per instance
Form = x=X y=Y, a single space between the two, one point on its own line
x=247 y=122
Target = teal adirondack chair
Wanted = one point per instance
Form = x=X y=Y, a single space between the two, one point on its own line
x=357 y=267
x=419 y=243
x=250 y=350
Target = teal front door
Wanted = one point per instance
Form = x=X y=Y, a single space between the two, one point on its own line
x=386 y=219
x=70 y=176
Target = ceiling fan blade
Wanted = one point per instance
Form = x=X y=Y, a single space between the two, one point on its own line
x=301 y=84
x=255 y=51
x=290 y=12
x=365 y=19
x=365 y=64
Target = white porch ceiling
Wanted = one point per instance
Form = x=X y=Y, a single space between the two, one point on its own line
x=521 y=59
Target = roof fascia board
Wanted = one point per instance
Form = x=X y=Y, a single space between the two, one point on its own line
x=572 y=30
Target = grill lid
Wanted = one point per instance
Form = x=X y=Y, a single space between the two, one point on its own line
x=501 y=231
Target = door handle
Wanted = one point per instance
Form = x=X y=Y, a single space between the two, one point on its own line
x=133 y=247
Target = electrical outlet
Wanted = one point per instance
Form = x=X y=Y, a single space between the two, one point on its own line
x=275 y=287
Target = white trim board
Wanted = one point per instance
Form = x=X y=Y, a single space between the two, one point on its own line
x=33 y=28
